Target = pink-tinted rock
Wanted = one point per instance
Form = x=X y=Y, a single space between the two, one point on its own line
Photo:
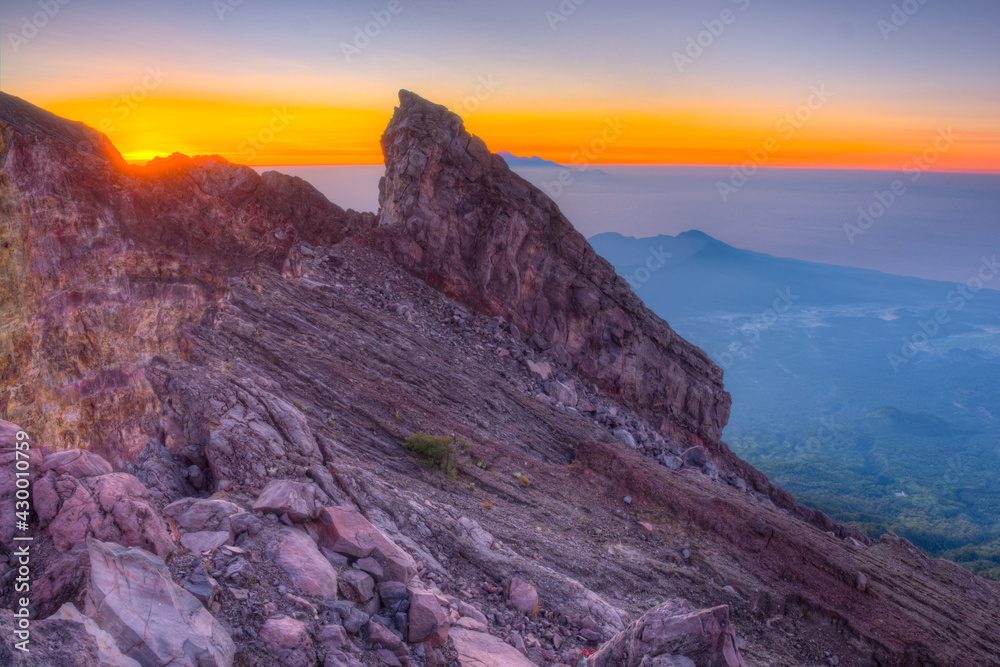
x=198 y=514
x=288 y=641
x=523 y=596
x=283 y=496
x=76 y=462
x=478 y=649
x=296 y=553
x=356 y=586
x=345 y=531
x=704 y=635
x=427 y=620
x=111 y=508
x=109 y=260
x=332 y=637
x=205 y=541
x=153 y=620
x=455 y=215
x=380 y=635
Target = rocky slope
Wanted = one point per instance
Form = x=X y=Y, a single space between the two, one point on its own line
x=242 y=361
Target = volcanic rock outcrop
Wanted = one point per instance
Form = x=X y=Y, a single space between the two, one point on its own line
x=454 y=214
x=101 y=262
x=243 y=362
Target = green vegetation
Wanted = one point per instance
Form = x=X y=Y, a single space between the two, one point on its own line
x=437 y=452
x=933 y=484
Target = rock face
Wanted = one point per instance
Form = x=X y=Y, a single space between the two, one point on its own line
x=478 y=649
x=257 y=367
x=296 y=554
x=153 y=620
x=673 y=627
x=454 y=214
x=346 y=532
x=113 y=507
x=100 y=263
x=289 y=642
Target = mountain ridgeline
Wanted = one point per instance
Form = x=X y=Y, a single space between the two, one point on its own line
x=262 y=429
x=867 y=395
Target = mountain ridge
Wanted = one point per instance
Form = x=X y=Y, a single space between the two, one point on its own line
x=282 y=366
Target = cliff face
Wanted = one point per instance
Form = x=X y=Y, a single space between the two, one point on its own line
x=252 y=358
x=455 y=215
x=100 y=263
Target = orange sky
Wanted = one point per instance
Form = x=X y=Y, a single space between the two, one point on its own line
x=256 y=133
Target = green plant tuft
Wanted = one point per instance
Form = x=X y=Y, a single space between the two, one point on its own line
x=436 y=452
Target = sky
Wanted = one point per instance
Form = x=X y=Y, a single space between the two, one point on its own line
x=853 y=83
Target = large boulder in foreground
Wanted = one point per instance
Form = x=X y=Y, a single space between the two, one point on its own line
x=478 y=649
x=153 y=620
x=345 y=531
x=673 y=629
x=455 y=215
x=296 y=553
x=115 y=508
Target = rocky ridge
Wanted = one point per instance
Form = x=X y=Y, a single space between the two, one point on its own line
x=265 y=484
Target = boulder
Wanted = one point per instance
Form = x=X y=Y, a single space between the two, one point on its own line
x=565 y=393
x=205 y=541
x=427 y=620
x=379 y=635
x=345 y=531
x=200 y=514
x=64 y=640
x=541 y=369
x=113 y=508
x=356 y=586
x=76 y=462
x=695 y=456
x=702 y=635
x=283 y=496
x=296 y=553
x=478 y=649
x=523 y=596
x=288 y=641
x=153 y=620
x=108 y=652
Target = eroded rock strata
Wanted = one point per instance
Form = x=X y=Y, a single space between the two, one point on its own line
x=242 y=361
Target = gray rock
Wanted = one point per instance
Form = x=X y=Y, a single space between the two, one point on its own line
x=202 y=514
x=288 y=641
x=282 y=496
x=296 y=553
x=153 y=620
